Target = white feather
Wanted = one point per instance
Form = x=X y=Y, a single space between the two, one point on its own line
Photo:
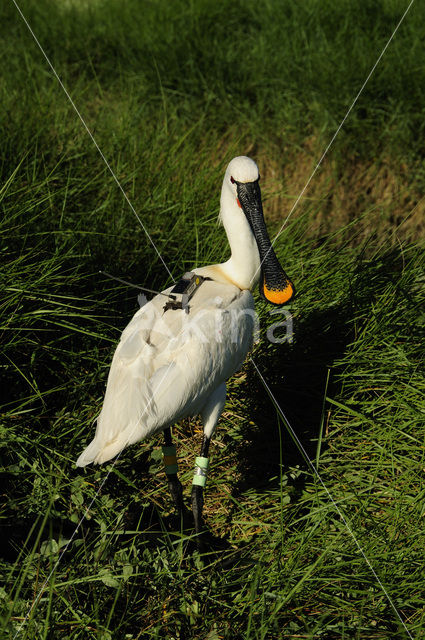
x=171 y=365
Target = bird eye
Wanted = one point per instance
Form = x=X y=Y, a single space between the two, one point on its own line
x=232 y=180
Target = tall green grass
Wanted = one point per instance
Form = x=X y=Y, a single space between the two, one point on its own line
x=172 y=91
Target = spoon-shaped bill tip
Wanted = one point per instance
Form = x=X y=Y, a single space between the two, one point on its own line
x=277 y=295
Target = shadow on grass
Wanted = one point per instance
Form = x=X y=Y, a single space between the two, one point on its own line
x=297 y=376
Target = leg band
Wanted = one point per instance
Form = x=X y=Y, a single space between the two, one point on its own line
x=170 y=460
x=201 y=470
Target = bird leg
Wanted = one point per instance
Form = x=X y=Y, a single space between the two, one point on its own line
x=210 y=415
x=199 y=481
x=171 y=468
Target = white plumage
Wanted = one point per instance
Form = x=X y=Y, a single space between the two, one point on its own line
x=169 y=365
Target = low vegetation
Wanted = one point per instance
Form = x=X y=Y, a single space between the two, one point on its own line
x=171 y=92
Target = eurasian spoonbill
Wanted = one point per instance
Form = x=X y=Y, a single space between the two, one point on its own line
x=172 y=362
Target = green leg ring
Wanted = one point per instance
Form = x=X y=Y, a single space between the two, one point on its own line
x=201 y=471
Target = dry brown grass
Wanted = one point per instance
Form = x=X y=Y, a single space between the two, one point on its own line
x=379 y=195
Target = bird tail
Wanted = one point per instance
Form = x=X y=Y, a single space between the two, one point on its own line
x=89 y=454
x=98 y=453
x=128 y=404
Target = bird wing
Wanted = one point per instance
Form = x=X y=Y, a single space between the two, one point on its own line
x=168 y=363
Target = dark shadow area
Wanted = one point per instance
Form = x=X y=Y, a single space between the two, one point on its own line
x=296 y=375
x=145 y=523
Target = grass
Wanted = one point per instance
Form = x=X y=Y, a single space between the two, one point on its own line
x=171 y=92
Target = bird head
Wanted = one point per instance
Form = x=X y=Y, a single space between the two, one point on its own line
x=241 y=182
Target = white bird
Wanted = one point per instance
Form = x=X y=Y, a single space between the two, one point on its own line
x=172 y=363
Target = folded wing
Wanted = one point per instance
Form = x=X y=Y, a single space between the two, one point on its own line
x=166 y=365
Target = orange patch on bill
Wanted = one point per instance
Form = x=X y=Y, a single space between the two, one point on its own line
x=279 y=296
x=239 y=204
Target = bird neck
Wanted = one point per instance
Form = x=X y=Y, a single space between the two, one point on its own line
x=242 y=268
x=243 y=265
